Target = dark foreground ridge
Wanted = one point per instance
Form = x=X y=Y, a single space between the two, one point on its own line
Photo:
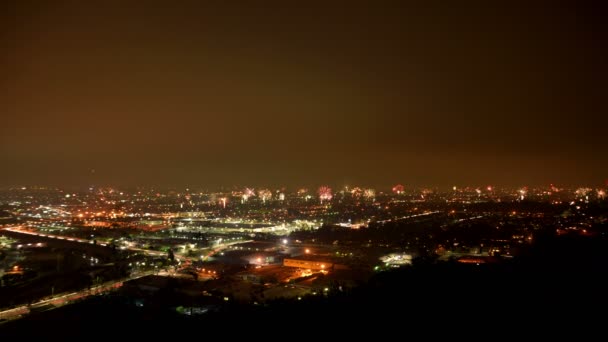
x=558 y=283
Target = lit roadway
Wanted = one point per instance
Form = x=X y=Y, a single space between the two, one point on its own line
x=221 y=246
x=215 y=249
x=67 y=298
x=73 y=239
x=407 y=217
x=63 y=299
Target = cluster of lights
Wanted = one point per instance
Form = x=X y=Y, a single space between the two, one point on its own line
x=265 y=195
x=208 y=271
x=325 y=193
x=247 y=193
x=369 y=194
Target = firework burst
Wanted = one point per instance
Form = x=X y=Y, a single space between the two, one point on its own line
x=398 y=189
x=325 y=193
x=265 y=194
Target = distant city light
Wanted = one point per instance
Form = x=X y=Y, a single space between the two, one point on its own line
x=349 y=226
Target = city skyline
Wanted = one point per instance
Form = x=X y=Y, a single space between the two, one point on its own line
x=310 y=188
x=213 y=95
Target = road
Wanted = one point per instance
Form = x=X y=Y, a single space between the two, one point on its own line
x=66 y=298
x=215 y=249
x=19 y=230
x=395 y=219
x=220 y=247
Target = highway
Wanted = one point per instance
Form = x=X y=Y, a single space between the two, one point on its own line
x=220 y=247
x=19 y=230
x=66 y=298
x=395 y=219
x=215 y=249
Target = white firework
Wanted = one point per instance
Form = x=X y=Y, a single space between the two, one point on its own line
x=264 y=194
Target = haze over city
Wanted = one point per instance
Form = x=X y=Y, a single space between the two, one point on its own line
x=216 y=95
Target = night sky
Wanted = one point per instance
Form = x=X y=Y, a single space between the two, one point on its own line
x=207 y=94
